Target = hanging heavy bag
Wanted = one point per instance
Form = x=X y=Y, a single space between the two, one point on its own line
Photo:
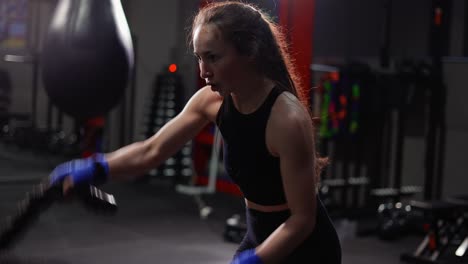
x=87 y=57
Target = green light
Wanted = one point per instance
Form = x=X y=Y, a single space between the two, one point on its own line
x=324 y=116
x=327 y=86
x=354 y=127
x=323 y=131
x=356 y=91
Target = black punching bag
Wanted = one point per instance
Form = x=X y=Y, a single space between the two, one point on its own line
x=87 y=57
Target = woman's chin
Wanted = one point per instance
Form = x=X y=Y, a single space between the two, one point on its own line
x=217 y=90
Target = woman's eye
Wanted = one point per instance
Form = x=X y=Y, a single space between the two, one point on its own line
x=212 y=57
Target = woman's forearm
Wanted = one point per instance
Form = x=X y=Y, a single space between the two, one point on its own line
x=132 y=161
x=286 y=238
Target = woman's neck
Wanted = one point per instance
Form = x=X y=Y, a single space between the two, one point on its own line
x=248 y=98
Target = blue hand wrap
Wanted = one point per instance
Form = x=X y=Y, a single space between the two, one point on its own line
x=247 y=257
x=92 y=170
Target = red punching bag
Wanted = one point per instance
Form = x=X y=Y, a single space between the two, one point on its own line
x=297 y=18
x=87 y=57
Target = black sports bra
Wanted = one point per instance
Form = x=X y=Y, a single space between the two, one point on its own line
x=246 y=157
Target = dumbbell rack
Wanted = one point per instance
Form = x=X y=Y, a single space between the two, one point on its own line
x=165 y=103
x=446 y=238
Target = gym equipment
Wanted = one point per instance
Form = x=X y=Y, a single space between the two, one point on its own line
x=436 y=136
x=21 y=128
x=86 y=62
x=447 y=219
x=343 y=96
x=297 y=18
x=42 y=196
x=408 y=88
x=87 y=57
x=20 y=134
x=359 y=180
x=384 y=57
x=213 y=170
x=461 y=202
x=423 y=80
x=5 y=96
x=401 y=90
x=396 y=220
x=234 y=229
x=165 y=102
x=446 y=229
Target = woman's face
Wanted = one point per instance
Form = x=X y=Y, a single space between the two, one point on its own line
x=221 y=66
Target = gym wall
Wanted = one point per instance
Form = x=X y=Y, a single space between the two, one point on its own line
x=346 y=30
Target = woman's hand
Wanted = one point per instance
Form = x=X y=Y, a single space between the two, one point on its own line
x=93 y=170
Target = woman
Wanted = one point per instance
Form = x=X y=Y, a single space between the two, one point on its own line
x=268 y=134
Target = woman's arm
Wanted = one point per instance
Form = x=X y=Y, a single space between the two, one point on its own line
x=292 y=140
x=135 y=159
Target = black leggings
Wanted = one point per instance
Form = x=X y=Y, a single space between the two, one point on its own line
x=322 y=246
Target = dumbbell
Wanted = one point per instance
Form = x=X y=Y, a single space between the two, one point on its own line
x=393 y=220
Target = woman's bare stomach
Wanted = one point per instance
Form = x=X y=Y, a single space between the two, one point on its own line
x=266 y=208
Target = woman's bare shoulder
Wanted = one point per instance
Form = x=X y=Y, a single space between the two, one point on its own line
x=289 y=123
x=206 y=102
x=288 y=107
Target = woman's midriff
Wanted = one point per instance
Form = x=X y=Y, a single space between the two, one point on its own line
x=266 y=208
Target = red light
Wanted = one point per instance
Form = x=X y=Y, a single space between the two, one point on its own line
x=342 y=115
x=438 y=16
x=335 y=76
x=343 y=100
x=172 y=68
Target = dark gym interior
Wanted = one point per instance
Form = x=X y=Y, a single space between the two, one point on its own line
x=387 y=78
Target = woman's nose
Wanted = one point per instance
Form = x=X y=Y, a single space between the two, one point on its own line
x=205 y=72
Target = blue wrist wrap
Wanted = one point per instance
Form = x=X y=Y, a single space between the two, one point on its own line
x=91 y=170
x=247 y=257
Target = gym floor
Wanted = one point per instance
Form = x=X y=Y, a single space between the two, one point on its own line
x=154 y=224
